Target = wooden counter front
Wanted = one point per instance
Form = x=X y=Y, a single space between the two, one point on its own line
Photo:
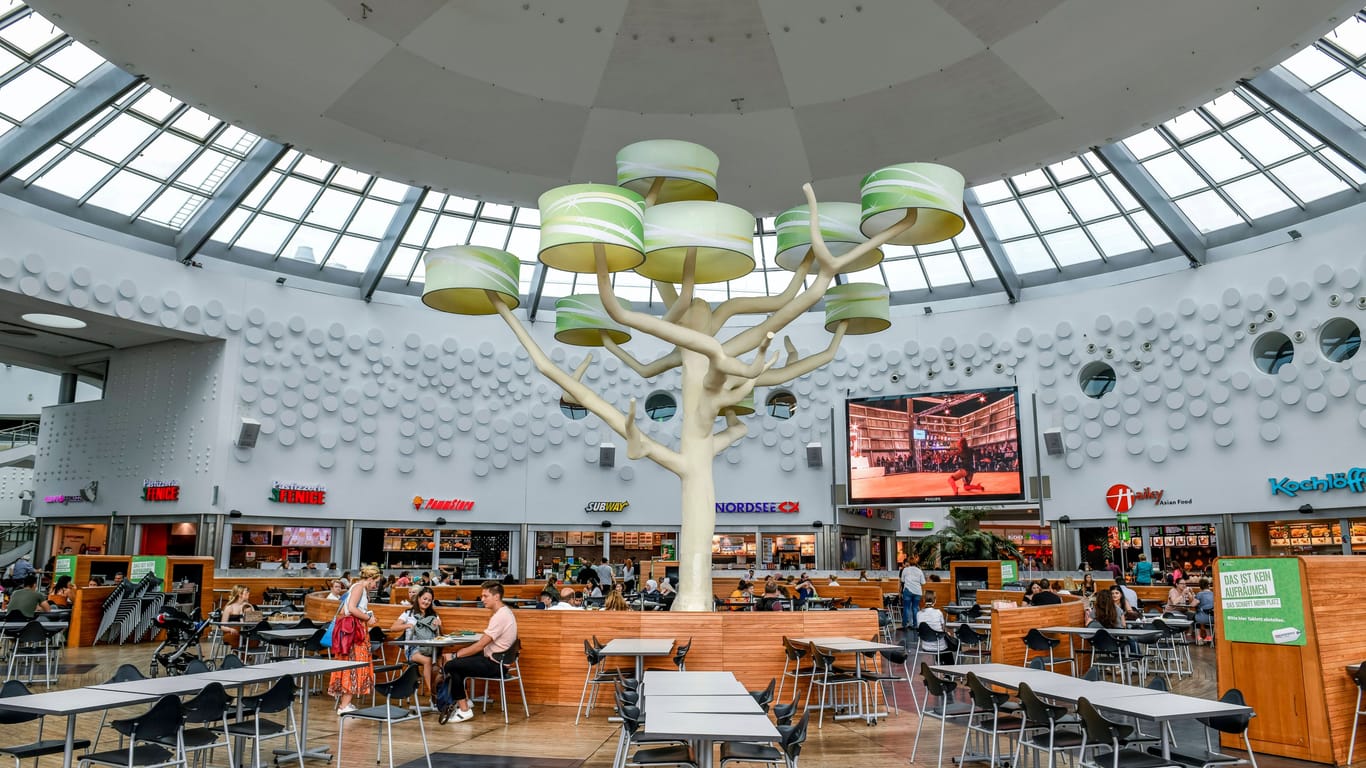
x=553 y=665
x=1009 y=627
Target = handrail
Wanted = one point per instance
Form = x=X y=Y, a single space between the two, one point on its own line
x=24 y=434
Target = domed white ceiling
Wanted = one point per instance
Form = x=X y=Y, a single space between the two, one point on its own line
x=504 y=99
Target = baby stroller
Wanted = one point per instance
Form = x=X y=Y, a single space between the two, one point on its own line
x=181 y=643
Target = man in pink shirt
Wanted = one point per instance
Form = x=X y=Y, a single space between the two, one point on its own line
x=476 y=659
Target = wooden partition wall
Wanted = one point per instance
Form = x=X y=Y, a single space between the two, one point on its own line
x=1008 y=627
x=86 y=610
x=1304 y=698
x=553 y=664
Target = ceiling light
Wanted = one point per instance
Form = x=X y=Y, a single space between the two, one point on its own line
x=53 y=321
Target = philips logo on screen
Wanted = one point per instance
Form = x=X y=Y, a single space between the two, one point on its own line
x=1353 y=480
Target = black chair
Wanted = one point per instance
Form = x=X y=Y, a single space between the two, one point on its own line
x=40 y=746
x=251 y=647
x=793 y=655
x=196 y=667
x=970 y=643
x=992 y=715
x=510 y=671
x=33 y=644
x=399 y=690
x=1037 y=642
x=163 y=721
x=278 y=698
x=1099 y=733
x=1234 y=725
x=126 y=673
x=830 y=679
x=945 y=709
x=1039 y=730
x=764 y=698
x=232 y=661
x=208 y=710
x=597 y=676
x=1107 y=654
x=673 y=754
x=785 y=754
x=679 y=659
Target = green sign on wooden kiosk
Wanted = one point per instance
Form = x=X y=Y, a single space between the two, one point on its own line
x=1260 y=600
x=145 y=564
x=65 y=565
x=1009 y=573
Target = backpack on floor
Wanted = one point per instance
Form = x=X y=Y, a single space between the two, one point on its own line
x=442 y=699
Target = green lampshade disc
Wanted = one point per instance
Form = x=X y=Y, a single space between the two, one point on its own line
x=933 y=192
x=458 y=277
x=839 y=229
x=722 y=234
x=865 y=306
x=576 y=217
x=580 y=320
x=688 y=169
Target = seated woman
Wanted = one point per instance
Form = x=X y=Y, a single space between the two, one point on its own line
x=651 y=591
x=1088 y=585
x=336 y=590
x=239 y=602
x=1031 y=590
x=62 y=593
x=420 y=622
x=1204 y=613
x=743 y=592
x=1180 y=597
x=1109 y=612
x=933 y=618
x=805 y=589
x=666 y=587
x=615 y=601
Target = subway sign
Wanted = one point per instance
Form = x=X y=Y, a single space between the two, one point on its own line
x=606 y=506
x=758 y=507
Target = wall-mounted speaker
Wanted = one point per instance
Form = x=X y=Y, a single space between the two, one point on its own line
x=606 y=523
x=247 y=433
x=441 y=521
x=607 y=455
x=1040 y=490
x=1052 y=442
x=813 y=454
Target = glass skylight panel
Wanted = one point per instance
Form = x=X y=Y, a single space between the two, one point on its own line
x=385 y=189
x=265 y=234
x=314 y=168
x=173 y=207
x=28 y=93
x=1312 y=66
x=1187 y=126
x=1147 y=144
x=1208 y=212
x=30 y=33
x=1349 y=94
x=1258 y=196
x=1008 y=219
x=992 y=191
x=74 y=176
x=163 y=156
x=1350 y=36
x=372 y=218
x=496 y=211
x=1029 y=181
x=490 y=234
x=944 y=269
x=72 y=62
x=1068 y=170
x=155 y=105
x=196 y=124
x=402 y=264
x=754 y=284
x=1028 y=255
x=529 y=217
x=1048 y=211
x=979 y=266
x=347 y=178
x=333 y=209
x=525 y=243
x=457 y=204
x=1344 y=166
x=1174 y=174
x=352 y=253
x=309 y=244
x=1265 y=142
x=450 y=230
x=1089 y=200
x=1116 y=236
x=1228 y=108
x=902 y=275
x=124 y=193
x=1071 y=246
x=1219 y=158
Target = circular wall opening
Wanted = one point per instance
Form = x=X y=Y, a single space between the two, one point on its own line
x=1339 y=339
x=781 y=405
x=660 y=406
x=1096 y=379
x=1272 y=351
x=573 y=411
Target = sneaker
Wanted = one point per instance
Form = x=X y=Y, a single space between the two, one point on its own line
x=461 y=715
x=346 y=709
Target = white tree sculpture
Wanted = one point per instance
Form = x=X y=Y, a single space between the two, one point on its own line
x=663 y=222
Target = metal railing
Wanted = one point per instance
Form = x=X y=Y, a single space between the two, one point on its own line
x=17 y=534
x=24 y=434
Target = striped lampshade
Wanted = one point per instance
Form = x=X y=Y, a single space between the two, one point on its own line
x=933 y=192
x=688 y=170
x=458 y=276
x=580 y=320
x=839 y=224
x=866 y=306
x=722 y=234
x=578 y=217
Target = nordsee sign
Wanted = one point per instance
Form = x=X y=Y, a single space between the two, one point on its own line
x=784 y=507
x=1353 y=480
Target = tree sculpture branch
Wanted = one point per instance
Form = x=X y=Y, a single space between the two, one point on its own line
x=639 y=445
x=643 y=370
x=761 y=305
x=830 y=265
x=800 y=367
x=734 y=432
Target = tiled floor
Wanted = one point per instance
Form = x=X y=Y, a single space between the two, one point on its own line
x=549 y=739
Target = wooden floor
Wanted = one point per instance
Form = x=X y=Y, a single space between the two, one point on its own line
x=551 y=733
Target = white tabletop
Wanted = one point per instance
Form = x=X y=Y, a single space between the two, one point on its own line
x=638 y=646
x=1089 y=631
x=1158 y=706
x=436 y=642
x=307 y=666
x=692 y=684
x=288 y=635
x=49 y=625
x=722 y=727
x=739 y=704
x=161 y=686
x=72 y=703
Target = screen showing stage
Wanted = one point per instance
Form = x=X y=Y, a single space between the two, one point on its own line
x=935 y=448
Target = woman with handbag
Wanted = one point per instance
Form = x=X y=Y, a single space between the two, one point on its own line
x=420 y=622
x=351 y=641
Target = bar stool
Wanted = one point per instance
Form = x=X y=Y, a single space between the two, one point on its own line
x=1037 y=642
x=792 y=667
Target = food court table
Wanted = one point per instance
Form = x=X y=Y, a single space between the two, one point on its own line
x=859 y=648
x=638 y=647
x=68 y=704
x=305 y=668
x=665 y=683
x=731 y=704
x=1142 y=703
x=704 y=730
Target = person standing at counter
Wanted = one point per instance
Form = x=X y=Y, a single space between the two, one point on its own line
x=354 y=618
x=605 y=575
x=912 y=589
x=628 y=576
x=476 y=659
x=1143 y=572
